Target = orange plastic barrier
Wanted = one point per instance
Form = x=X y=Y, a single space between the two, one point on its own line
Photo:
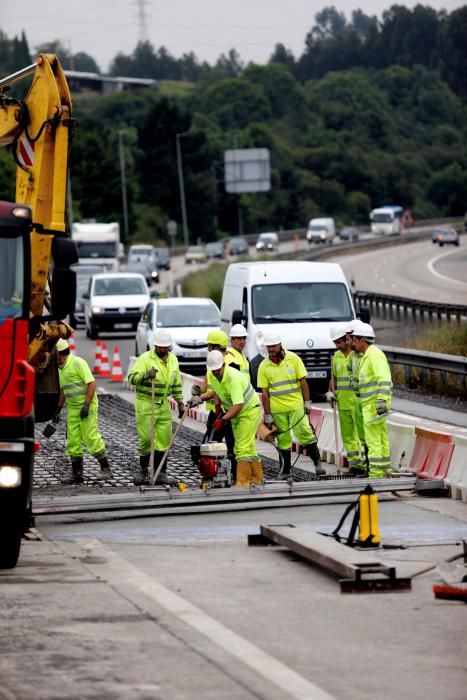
x=316 y=417
x=432 y=454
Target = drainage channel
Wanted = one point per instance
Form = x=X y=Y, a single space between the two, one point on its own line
x=119 y=495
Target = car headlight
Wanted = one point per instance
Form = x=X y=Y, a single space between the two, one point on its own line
x=97 y=309
x=322 y=235
x=10 y=476
x=154 y=274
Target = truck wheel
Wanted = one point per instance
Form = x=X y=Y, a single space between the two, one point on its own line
x=10 y=541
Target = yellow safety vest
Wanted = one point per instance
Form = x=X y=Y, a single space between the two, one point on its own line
x=342 y=385
x=168 y=381
x=74 y=378
x=235 y=357
x=234 y=388
x=283 y=382
x=374 y=376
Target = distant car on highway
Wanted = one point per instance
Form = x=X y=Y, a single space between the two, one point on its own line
x=196 y=254
x=445 y=236
x=189 y=320
x=144 y=267
x=237 y=245
x=267 y=242
x=349 y=233
x=162 y=258
x=215 y=249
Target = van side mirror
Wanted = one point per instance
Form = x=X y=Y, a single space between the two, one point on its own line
x=86 y=295
x=238 y=317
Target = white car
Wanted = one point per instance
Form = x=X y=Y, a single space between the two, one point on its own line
x=189 y=320
x=267 y=242
x=114 y=302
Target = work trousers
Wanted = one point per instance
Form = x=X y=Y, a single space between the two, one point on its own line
x=296 y=422
x=244 y=426
x=350 y=439
x=162 y=426
x=377 y=440
x=83 y=431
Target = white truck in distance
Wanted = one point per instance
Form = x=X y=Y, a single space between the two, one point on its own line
x=386 y=220
x=298 y=300
x=98 y=243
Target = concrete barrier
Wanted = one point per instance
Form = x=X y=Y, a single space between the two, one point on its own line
x=402 y=444
x=457 y=474
x=432 y=454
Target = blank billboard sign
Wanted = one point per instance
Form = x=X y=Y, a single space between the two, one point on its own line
x=247 y=170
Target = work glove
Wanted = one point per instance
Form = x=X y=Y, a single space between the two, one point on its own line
x=308 y=405
x=181 y=408
x=218 y=424
x=196 y=390
x=84 y=411
x=381 y=407
x=56 y=417
x=268 y=420
x=149 y=375
x=331 y=398
x=194 y=401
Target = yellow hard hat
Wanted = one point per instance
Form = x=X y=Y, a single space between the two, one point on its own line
x=218 y=337
x=62 y=345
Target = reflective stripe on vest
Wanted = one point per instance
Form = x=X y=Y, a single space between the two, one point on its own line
x=293 y=384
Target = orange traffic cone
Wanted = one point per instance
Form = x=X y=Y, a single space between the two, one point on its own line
x=97 y=359
x=105 y=366
x=117 y=374
x=71 y=343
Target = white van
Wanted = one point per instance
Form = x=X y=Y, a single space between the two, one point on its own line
x=299 y=300
x=114 y=302
x=321 y=230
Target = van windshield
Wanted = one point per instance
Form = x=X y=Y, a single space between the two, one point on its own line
x=301 y=302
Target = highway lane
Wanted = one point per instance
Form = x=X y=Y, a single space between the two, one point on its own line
x=417 y=270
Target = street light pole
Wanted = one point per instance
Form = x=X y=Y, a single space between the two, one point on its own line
x=182 y=189
x=123 y=184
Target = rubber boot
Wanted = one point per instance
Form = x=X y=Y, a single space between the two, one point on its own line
x=243 y=473
x=76 y=472
x=106 y=472
x=314 y=455
x=141 y=477
x=256 y=472
x=163 y=477
x=286 y=464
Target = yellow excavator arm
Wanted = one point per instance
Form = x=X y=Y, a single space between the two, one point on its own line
x=39 y=128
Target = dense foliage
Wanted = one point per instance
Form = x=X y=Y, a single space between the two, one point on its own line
x=373 y=112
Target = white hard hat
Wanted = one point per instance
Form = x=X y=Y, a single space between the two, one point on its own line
x=271 y=338
x=337 y=332
x=363 y=330
x=215 y=360
x=238 y=331
x=352 y=324
x=62 y=345
x=162 y=338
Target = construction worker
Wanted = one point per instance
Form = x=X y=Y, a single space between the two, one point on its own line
x=156 y=373
x=353 y=363
x=234 y=356
x=341 y=393
x=78 y=392
x=375 y=387
x=286 y=401
x=241 y=410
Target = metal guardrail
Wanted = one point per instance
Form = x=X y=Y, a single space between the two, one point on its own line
x=400 y=308
x=427 y=363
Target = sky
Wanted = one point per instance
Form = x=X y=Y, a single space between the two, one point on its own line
x=206 y=27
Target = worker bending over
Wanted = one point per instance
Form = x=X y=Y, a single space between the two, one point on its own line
x=156 y=372
x=286 y=402
x=341 y=393
x=242 y=411
x=78 y=392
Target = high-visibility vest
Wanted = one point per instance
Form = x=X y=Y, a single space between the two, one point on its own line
x=74 y=377
x=283 y=382
x=374 y=376
x=235 y=357
x=342 y=385
x=234 y=388
x=168 y=381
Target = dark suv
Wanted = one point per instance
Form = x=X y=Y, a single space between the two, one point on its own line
x=163 y=258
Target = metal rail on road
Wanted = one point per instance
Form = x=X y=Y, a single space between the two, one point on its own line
x=400 y=308
x=167 y=501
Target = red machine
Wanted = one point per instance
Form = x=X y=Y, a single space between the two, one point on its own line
x=214 y=466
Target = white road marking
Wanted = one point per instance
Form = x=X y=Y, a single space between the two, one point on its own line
x=432 y=263
x=120 y=573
